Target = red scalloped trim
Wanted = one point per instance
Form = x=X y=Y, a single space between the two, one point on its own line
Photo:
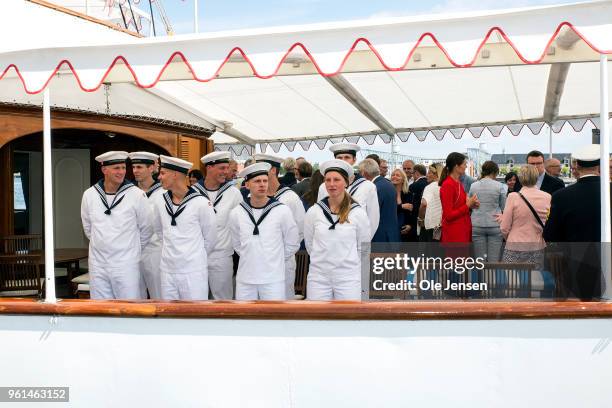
x=300 y=45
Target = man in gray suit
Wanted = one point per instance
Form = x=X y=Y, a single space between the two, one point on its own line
x=302 y=173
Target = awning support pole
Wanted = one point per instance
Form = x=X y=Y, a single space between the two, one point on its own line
x=48 y=202
x=604 y=143
x=550 y=148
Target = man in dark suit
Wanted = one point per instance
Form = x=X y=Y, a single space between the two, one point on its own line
x=575 y=223
x=545 y=182
x=302 y=173
x=388 y=226
x=416 y=188
x=288 y=180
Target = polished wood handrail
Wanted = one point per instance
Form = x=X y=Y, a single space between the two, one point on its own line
x=305 y=310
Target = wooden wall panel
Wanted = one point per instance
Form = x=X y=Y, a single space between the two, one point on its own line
x=20 y=121
x=192 y=149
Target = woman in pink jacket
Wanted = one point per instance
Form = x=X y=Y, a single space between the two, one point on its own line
x=522 y=222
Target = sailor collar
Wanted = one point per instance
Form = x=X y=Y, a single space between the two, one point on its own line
x=199 y=186
x=327 y=213
x=118 y=196
x=156 y=186
x=281 y=190
x=191 y=194
x=246 y=205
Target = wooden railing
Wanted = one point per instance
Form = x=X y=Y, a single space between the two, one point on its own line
x=300 y=310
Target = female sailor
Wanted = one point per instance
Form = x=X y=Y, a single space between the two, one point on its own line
x=361 y=190
x=264 y=235
x=336 y=232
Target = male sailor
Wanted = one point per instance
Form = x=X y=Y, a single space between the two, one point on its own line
x=288 y=197
x=185 y=223
x=117 y=221
x=361 y=190
x=144 y=166
x=224 y=196
x=264 y=235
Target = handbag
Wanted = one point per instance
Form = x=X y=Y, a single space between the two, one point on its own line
x=535 y=214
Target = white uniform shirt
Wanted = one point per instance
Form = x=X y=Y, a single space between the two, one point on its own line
x=186 y=245
x=335 y=253
x=288 y=197
x=224 y=200
x=364 y=192
x=154 y=194
x=116 y=239
x=262 y=256
x=433 y=211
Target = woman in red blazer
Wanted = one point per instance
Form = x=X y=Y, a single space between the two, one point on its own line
x=456 y=206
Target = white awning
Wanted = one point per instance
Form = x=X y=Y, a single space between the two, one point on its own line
x=335 y=81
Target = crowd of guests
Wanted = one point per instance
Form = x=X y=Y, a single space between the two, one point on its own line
x=189 y=232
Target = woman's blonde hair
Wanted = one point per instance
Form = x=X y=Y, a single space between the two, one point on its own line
x=345 y=208
x=437 y=169
x=404 y=180
x=528 y=175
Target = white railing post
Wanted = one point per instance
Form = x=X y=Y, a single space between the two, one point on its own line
x=48 y=202
x=604 y=143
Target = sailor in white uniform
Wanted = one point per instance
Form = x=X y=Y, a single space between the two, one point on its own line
x=185 y=223
x=117 y=221
x=363 y=191
x=144 y=166
x=225 y=197
x=336 y=233
x=288 y=197
x=264 y=235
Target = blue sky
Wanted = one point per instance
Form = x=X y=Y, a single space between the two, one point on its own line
x=229 y=15
x=236 y=14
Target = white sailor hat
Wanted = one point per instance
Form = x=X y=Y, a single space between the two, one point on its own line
x=345 y=148
x=340 y=166
x=587 y=156
x=143 y=158
x=113 y=157
x=174 y=163
x=268 y=158
x=216 y=158
x=254 y=170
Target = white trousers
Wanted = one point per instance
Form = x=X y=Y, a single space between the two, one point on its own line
x=151 y=275
x=264 y=291
x=290 y=277
x=220 y=273
x=114 y=283
x=184 y=286
x=325 y=290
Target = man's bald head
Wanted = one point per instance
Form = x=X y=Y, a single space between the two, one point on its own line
x=553 y=167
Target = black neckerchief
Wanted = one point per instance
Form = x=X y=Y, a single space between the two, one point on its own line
x=246 y=205
x=222 y=189
x=156 y=186
x=99 y=187
x=324 y=204
x=191 y=194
